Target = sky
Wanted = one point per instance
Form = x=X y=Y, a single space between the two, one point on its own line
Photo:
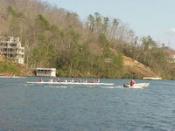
x=145 y=17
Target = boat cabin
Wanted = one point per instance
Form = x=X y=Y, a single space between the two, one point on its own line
x=49 y=72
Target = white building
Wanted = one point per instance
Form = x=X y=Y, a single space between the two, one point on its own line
x=12 y=49
x=51 y=72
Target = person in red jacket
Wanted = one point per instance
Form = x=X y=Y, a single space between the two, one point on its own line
x=132 y=82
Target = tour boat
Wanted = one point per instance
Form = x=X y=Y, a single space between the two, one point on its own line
x=70 y=83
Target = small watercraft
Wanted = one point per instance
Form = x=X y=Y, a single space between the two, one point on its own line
x=137 y=85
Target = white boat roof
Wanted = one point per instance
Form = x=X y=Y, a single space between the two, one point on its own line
x=44 y=68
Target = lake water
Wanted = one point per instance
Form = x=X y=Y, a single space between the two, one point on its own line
x=26 y=107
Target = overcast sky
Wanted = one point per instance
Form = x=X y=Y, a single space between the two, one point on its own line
x=144 y=17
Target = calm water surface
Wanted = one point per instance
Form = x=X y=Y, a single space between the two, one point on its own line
x=25 y=107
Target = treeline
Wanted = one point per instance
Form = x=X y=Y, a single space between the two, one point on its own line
x=123 y=40
x=57 y=38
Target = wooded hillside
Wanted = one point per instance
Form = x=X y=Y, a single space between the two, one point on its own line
x=54 y=37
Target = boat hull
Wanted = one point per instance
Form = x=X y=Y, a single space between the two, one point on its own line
x=138 y=85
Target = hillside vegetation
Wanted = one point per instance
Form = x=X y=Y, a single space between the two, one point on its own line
x=9 y=68
x=54 y=37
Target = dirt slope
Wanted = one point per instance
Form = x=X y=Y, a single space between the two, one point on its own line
x=137 y=69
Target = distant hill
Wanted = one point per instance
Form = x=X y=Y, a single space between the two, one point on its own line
x=98 y=47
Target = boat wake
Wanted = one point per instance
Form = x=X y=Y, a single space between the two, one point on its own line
x=112 y=87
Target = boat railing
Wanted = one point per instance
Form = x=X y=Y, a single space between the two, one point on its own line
x=72 y=80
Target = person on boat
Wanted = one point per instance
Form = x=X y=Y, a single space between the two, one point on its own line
x=41 y=80
x=58 y=79
x=98 y=80
x=51 y=80
x=132 y=82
